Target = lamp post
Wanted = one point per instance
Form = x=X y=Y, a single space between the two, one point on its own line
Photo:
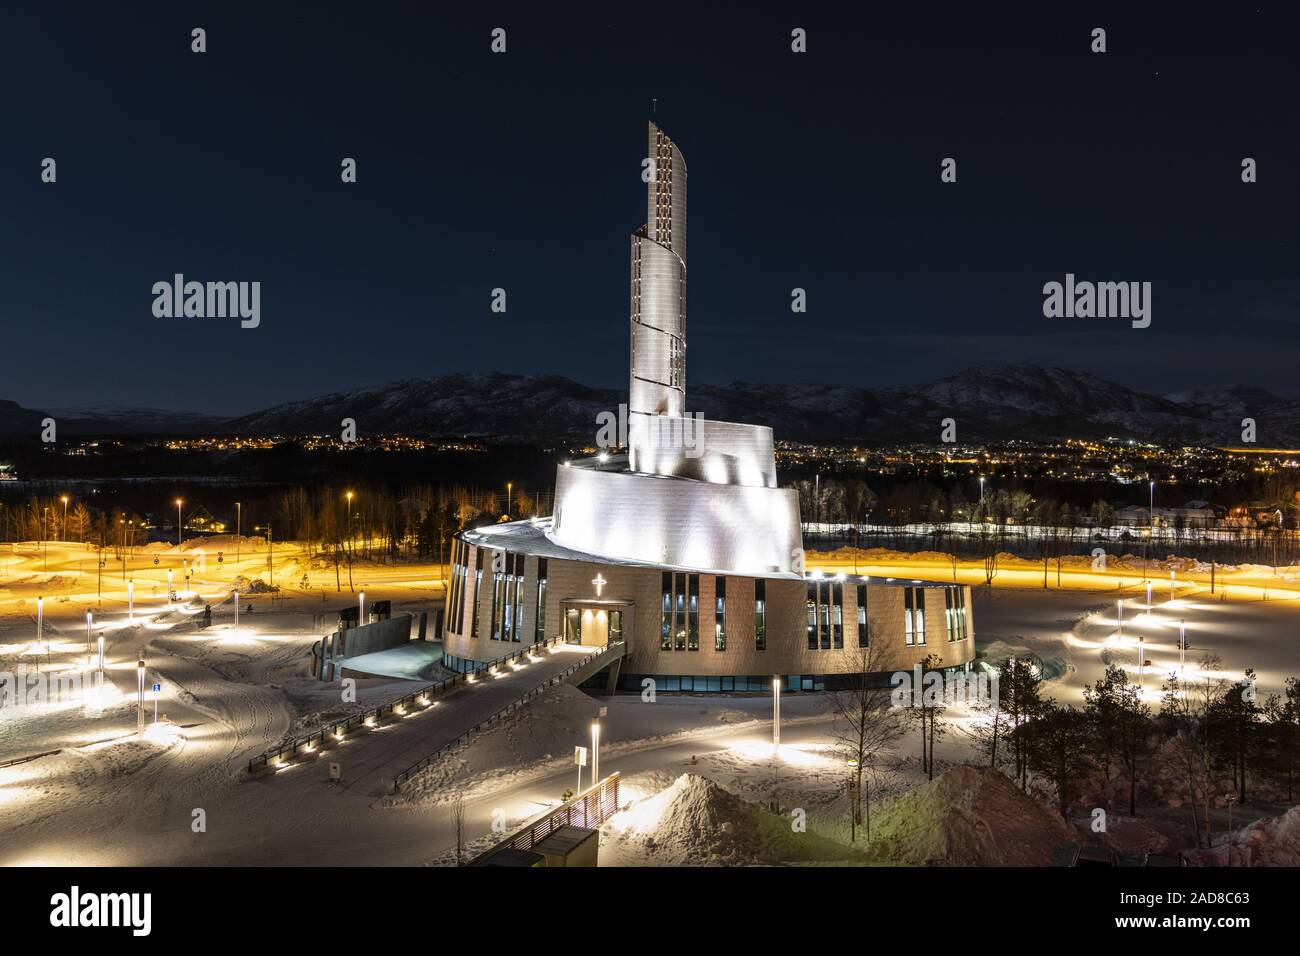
x=1119 y=608
x=1151 y=528
x=170 y=590
x=40 y=624
x=101 y=657
x=180 y=527
x=510 y=487
x=1148 y=598
x=595 y=752
x=348 y=495
x=63 y=530
x=1182 y=645
x=361 y=609
x=130 y=599
x=236 y=593
x=139 y=709
x=239 y=515
x=90 y=623
x=776 y=713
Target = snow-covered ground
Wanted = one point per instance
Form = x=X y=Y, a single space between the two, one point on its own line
x=98 y=794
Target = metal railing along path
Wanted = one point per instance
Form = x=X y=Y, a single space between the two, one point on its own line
x=505 y=711
x=422 y=698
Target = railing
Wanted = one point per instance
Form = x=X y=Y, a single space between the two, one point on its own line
x=339 y=728
x=510 y=708
x=588 y=810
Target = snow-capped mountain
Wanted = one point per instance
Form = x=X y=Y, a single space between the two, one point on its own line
x=986 y=404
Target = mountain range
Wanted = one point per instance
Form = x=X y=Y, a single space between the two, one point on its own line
x=987 y=404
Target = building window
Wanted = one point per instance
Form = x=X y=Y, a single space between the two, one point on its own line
x=760 y=615
x=679 y=622
x=539 y=628
x=914 y=615
x=456 y=597
x=720 y=615
x=666 y=613
x=810 y=607
x=863 y=635
x=693 y=621
x=519 y=599
x=573 y=626
x=956 y=613
x=498 y=596
x=837 y=614
x=478 y=590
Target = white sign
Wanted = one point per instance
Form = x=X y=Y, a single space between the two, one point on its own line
x=335 y=771
x=157 y=688
x=580 y=756
x=604 y=712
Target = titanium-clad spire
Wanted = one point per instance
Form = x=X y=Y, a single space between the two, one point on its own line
x=658 y=304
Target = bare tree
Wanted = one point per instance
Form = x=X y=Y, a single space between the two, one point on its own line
x=458 y=815
x=865 y=725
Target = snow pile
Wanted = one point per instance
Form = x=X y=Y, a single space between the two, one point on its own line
x=693 y=821
x=969 y=816
x=1271 y=841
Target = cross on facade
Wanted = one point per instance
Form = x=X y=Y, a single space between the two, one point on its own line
x=600 y=582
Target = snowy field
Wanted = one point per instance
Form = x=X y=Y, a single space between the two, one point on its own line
x=98 y=794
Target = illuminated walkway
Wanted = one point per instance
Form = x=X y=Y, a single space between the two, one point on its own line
x=370 y=760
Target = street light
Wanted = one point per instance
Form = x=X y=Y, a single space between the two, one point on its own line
x=239 y=515
x=1119 y=607
x=130 y=599
x=776 y=712
x=510 y=487
x=139 y=709
x=595 y=752
x=180 y=527
x=63 y=531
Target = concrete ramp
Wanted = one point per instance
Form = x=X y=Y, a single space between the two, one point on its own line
x=416 y=660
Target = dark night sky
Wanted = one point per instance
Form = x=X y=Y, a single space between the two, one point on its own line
x=523 y=171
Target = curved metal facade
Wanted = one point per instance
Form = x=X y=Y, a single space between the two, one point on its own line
x=657 y=384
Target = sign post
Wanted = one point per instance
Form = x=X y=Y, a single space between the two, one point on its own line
x=580 y=758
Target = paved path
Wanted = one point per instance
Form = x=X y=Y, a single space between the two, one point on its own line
x=370 y=759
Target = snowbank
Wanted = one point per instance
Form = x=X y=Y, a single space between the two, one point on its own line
x=968 y=816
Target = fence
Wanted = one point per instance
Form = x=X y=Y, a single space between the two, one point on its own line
x=588 y=810
x=339 y=728
x=510 y=708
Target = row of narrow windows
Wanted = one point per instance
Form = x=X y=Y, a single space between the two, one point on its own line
x=680 y=607
x=507 y=613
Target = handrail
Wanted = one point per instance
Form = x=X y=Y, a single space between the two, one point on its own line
x=338 y=728
x=593 y=806
x=463 y=739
